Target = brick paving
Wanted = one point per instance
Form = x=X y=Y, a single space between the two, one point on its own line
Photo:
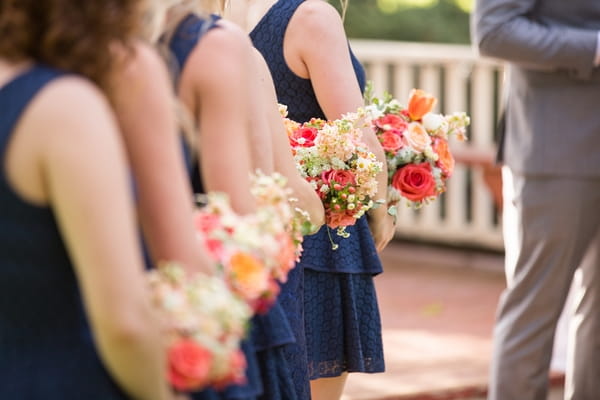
x=437 y=309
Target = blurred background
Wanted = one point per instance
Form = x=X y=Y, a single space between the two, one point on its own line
x=444 y=271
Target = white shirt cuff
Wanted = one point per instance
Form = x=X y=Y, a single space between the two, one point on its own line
x=597 y=59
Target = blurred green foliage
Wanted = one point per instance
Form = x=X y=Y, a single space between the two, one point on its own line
x=440 y=21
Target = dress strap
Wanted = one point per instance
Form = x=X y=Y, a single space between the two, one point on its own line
x=187 y=35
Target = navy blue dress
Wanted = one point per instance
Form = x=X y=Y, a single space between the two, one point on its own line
x=269 y=375
x=46 y=346
x=341 y=315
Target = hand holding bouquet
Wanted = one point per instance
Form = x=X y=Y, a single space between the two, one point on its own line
x=206 y=323
x=415 y=142
x=339 y=166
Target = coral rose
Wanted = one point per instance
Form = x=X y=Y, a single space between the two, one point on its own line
x=391 y=121
x=419 y=104
x=341 y=176
x=250 y=277
x=303 y=137
x=417 y=137
x=445 y=159
x=391 y=140
x=415 y=181
x=189 y=365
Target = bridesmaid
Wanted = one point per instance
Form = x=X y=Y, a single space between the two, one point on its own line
x=316 y=75
x=218 y=79
x=75 y=320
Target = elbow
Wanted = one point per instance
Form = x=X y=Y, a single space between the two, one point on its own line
x=487 y=46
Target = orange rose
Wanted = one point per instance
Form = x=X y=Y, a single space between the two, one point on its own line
x=419 y=104
x=189 y=365
x=417 y=137
x=249 y=276
x=414 y=181
x=445 y=160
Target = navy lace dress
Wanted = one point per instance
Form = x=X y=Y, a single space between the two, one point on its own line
x=46 y=346
x=269 y=375
x=341 y=315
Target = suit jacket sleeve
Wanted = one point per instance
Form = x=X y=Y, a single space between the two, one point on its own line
x=505 y=29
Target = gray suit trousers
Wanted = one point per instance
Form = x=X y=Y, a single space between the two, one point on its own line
x=552 y=234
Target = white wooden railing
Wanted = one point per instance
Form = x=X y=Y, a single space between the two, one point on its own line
x=465 y=214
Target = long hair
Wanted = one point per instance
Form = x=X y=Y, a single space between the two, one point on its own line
x=74 y=35
x=344 y=6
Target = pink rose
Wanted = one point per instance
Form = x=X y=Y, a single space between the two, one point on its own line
x=336 y=219
x=415 y=181
x=391 y=121
x=303 y=137
x=391 y=140
x=189 y=365
x=206 y=222
x=343 y=177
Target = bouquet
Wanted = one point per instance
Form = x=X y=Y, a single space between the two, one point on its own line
x=339 y=166
x=255 y=252
x=415 y=142
x=206 y=324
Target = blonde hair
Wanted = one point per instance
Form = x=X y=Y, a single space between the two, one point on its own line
x=344 y=5
x=165 y=15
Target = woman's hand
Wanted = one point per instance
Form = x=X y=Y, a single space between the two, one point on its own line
x=382 y=227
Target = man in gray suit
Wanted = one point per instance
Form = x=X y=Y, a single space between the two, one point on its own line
x=552 y=160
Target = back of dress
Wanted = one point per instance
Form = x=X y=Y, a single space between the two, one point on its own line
x=295 y=92
x=46 y=347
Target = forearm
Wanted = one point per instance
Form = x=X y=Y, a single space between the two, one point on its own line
x=136 y=360
x=167 y=221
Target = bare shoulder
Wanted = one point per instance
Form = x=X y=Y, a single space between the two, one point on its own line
x=71 y=110
x=138 y=64
x=318 y=15
x=222 y=52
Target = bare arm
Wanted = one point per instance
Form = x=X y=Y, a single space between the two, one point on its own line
x=84 y=179
x=505 y=29
x=284 y=163
x=214 y=86
x=316 y=39
x=144 y=103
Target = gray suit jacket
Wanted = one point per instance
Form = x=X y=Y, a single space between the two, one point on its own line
x=553 y=108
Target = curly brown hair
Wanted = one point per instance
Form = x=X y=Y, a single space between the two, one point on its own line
x=74 y=35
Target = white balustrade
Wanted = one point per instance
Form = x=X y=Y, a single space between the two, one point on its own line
x=465 y=214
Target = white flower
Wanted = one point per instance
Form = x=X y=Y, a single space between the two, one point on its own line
x=432 y=122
